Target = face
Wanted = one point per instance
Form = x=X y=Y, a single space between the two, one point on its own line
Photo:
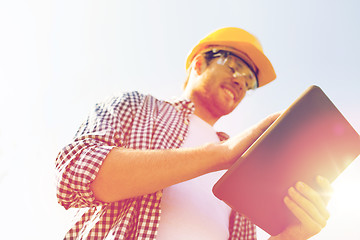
x=220 y=86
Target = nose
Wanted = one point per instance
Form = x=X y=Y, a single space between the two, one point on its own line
x=238 y=83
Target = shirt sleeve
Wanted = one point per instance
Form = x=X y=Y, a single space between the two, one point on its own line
x=78 y=163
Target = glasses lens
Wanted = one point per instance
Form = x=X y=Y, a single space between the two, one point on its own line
x=239 y=67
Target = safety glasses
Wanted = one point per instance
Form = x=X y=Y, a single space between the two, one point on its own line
x=238 y=67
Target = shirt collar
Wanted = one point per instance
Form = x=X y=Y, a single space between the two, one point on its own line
x=188 y=107
x=183 y=105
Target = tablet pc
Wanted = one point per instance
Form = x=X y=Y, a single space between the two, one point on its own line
x=310 y=138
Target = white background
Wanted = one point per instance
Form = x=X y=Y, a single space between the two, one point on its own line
x=58 y=58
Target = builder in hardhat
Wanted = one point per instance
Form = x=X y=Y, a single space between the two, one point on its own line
x=144 y=168
x=239 y=56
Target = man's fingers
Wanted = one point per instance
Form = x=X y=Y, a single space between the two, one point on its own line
x=326 y=187
x=308 y=206
x=265 y=123
x=313 y=198
x=310 y=226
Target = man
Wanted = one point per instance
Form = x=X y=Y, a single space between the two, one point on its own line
x=142 y=168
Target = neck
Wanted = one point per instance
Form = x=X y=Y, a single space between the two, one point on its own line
x=201 y=111
x=205 y=115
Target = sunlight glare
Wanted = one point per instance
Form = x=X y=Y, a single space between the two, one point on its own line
x=346 y=196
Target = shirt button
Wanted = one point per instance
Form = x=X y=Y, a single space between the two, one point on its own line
x=186 y=122
x=180 y=138
x=159 y=194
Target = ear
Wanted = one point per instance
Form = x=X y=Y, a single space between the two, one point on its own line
x=199 y=64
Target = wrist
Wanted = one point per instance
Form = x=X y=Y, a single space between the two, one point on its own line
x=219 y=155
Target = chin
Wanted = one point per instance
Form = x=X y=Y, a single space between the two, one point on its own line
x=229 y=108
x=225 y=111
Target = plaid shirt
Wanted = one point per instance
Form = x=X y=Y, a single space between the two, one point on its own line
x=131 y=121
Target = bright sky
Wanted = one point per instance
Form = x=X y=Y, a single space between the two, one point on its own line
x=58 y=58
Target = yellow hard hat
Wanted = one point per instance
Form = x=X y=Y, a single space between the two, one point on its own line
x=238 y=40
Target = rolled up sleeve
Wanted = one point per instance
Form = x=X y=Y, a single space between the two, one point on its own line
x=78 y=163
x=77 y=168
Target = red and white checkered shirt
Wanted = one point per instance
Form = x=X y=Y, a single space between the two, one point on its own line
x=133 y=121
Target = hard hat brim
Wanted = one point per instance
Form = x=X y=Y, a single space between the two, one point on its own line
x=266 y=72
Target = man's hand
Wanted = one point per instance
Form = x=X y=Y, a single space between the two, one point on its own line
x=309 y=207
x=237 y=145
